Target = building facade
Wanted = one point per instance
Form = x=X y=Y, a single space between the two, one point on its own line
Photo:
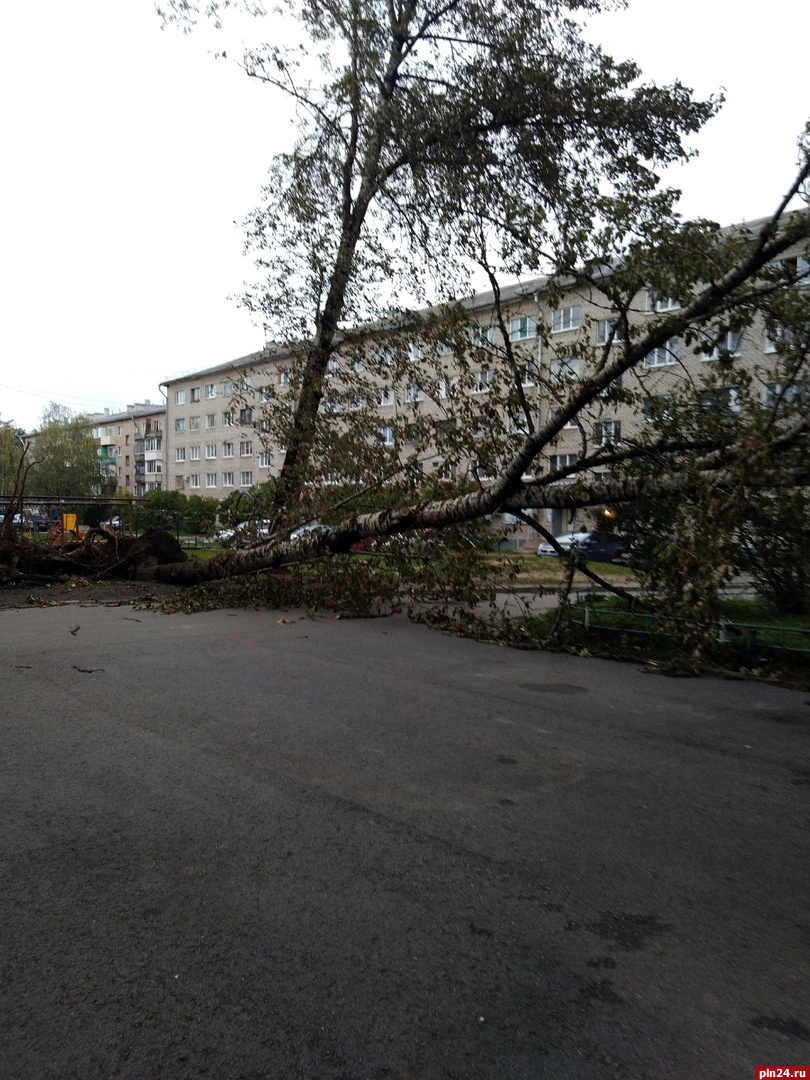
x=450 y=403
x=130 y=447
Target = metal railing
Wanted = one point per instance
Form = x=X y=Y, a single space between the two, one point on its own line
x=753 y=636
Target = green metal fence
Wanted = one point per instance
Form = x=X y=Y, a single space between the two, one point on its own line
x=752 y=636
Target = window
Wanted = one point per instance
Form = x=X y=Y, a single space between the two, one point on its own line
x=724 y=402
x=179 y=397
x=180 y=425
x=154 y=466
x=211 y=420
x=483 y=336
x=358 y=401
x=527 y=374
x=522 y=328
x=566 y=318
x=554 y=413
x=126 y=440
x=444 y=348
x=479 y=470
x=386 y=436
x=195 y=393
x=211 y=450
x=246 y=416
x=284 y=377
x=228 y=388
x=518 y=424
x=725 y=344
x=788 y=393
x=663 y=356
x=227 y=449
x=227 y=479
x=194 y=480
x=210 y=390
x=195 y=453
x=180 y=453
x=414 y=393
x=655 y=302
x=482 y=381
x=566 y=367
x=780 y=335
x=210 y=479
x=227 y=419
x=608 y=431
x=385 y=396
x=656 y=409
x=607 y=327
x=246 y=448
x=558 y=462
x=194 y=423
x=265 y=459
x=246 y=478
x=415 y=352
x=179 y=482
x=126 y=462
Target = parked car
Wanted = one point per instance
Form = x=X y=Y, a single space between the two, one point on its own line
x=307 y=530
x=597 y=546
x=248 y=532
x=35 y=521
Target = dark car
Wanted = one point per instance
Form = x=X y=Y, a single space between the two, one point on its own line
x=597 y=546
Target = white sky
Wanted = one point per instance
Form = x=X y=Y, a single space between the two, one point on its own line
x=129 y=154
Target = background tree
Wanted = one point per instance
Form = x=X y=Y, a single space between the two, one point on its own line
x=67 y=456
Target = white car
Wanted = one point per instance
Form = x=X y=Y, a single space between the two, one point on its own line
x=597 y=546
x=247 y=533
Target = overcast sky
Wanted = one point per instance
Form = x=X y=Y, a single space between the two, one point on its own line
x=130 y=156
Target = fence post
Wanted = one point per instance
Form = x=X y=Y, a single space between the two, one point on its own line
x=587 y=616
x=751 y=640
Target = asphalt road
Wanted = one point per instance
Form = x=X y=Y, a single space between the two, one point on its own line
x=248 y=845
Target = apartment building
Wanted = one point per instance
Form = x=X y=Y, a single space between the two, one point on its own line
x=130 y=447
x=510 y=366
